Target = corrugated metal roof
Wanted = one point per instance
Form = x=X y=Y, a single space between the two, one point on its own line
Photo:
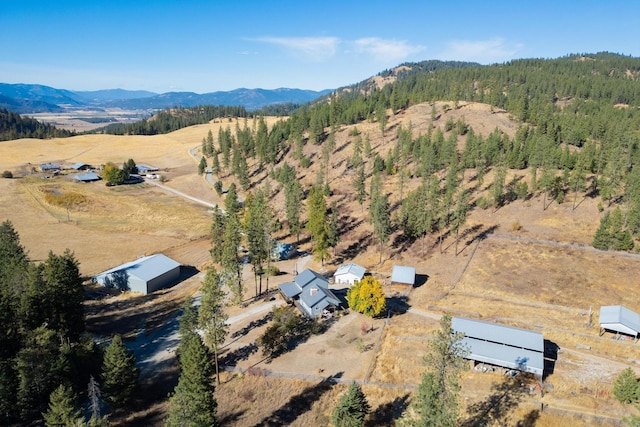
x=89 y=176
x=509 y=335
x=79 y=165
x=402 y=274
x=502 y=345
x=620 y=319
x=354 y=269
x=146 y=268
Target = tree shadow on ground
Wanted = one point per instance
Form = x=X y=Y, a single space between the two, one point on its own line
x=231 y=418
x=530 y=419
x=497 y=407
x=252 y=325
x=299 y=404
x=232 y=358
x=387 y=413
x=397 y=305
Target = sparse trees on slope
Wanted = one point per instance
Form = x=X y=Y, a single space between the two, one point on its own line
x=352 y=408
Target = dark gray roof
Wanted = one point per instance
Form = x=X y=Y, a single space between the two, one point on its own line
x=402 y=274
x=502 y=345
x=620 y=319
x=316 y=299
x=145 y=268
x=310 y=277
x=49 y=166
x=290 y=289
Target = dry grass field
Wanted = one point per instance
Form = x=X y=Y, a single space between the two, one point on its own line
x=539 y=275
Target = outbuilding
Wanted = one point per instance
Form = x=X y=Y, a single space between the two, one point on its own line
x=619 y=319
x=87 y=177
x=144 y=275
x=403 y=278
x=500 y=345
x=348 y=274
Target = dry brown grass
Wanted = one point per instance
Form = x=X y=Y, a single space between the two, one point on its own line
x=520 y=283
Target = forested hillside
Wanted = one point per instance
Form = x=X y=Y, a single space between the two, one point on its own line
x=169 y=120
x=578 y=120
x=13 y=126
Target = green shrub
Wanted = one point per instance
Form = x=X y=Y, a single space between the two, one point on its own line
x=625 y=388
x=7 y=174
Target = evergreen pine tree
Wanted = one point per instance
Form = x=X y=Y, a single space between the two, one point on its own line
x=352 y=408
x=437 y=401
x=119 y=373
x=626 y=388
x=192 y=402
x=62 y=409
x=211 y=316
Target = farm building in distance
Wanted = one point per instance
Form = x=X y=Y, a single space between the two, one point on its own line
x=144 y=275
x=310 y=292
x=146 y=169
x=349 y=274
x=87 y=177
x=500 y=345
x=80 y=166
x=619 y=319
x=49 y=167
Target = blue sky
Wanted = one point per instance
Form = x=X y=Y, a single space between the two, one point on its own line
x=207 y=46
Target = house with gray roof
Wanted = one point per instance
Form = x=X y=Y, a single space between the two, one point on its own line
x=144 y=275
x=348 y=274
x=310 y=292
x=501 y=345
x=619 y=319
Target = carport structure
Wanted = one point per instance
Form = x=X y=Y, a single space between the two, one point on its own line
x=619 y=319
x=501 y=345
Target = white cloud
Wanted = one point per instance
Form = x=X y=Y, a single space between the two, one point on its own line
x=482 y=51
x=386 y=50
x=313 y=48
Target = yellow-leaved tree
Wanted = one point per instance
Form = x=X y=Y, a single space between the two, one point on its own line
x=367 y=297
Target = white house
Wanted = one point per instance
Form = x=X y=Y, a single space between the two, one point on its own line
x=348 y=274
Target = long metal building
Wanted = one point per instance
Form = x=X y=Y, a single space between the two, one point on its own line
x=144 y=275
x=500 y=345
x=617 y=318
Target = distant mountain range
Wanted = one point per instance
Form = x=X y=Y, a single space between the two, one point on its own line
x=33 y=98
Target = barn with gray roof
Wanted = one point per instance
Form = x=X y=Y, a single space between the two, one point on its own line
x=619 y=319
x=501 y=345
x=144 y=275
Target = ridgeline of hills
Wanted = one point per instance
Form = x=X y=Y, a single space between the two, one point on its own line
x=33 y=98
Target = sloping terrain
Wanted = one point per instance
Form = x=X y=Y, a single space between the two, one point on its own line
x=540 y=274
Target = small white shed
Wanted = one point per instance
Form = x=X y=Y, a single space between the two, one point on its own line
x=348 y=274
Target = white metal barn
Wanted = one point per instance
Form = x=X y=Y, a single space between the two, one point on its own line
x=500 y=345
x=144 y=275
x=348 y=274
x=617 y=318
